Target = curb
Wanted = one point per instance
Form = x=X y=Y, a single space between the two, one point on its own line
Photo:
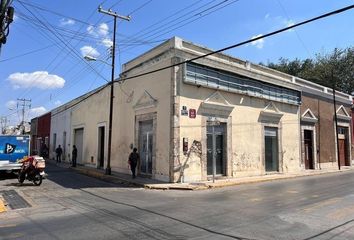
x=199 y=186
x=101 y=176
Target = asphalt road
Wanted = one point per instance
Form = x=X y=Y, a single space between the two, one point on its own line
x=72 y=206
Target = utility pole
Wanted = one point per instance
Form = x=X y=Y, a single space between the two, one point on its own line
x=4 y=121
x=23 y=104
x=127 y=18
x=6 y=17
x=335 y=117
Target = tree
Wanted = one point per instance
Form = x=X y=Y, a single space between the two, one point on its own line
x=319 y=70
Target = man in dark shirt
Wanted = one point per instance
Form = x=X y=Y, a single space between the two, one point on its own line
x=74 y=156
x=59 y=152
x=133 y=161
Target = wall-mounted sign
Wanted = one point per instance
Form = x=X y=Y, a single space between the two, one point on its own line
x=213 y=121
x=184 y=111
x=192 y=113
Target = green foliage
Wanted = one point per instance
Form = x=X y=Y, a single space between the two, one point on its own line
x=336 y=68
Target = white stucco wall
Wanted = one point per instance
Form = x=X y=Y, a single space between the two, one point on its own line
x=245 y=126
x=60 y=123
x=134 y=99
x=90 y=114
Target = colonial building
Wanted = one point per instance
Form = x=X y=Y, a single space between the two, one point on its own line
x=318 y=129
x=217 y=116
x=61 y=128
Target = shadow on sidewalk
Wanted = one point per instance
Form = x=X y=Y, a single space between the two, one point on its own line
x=67 y=177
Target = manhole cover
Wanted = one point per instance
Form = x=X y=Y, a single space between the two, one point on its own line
x=14 y=200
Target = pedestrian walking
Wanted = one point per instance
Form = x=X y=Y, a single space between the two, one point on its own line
x=59 y=152
x=74 y=156
x=133 y=161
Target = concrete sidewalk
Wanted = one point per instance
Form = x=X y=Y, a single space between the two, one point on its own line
x=148 y=183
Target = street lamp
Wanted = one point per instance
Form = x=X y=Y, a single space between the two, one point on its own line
x=90 y=58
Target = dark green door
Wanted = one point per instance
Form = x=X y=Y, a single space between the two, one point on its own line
x=271 y=149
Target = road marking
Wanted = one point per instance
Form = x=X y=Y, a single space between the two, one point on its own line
x=322 y=204
x=341 y=213
x=256 y=199
x=2 y=206
x=8 y=225
x=292 y=191
x=14 y=236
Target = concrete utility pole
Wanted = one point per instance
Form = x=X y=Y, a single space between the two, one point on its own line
x=4 y=121
x=127 y=18
x=23 y=104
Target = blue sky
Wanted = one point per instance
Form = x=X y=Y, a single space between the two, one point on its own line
x=55 y=35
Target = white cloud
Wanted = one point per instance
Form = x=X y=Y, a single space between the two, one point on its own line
x=91 y=30
x=15 y=17
x=57 y=102
x=89 y=51
x=11 y=104
x=107 y=42
x=66 y=22
x=35 y=112
x=258 y=43
x=289 y=23
x=38 y=79
x=101 y=31
x=267 y=16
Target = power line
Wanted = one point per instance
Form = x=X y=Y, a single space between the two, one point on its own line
x=297 y=34
x=220 y=50
x=39 y=7
x=27 y=53
x=69 y=52
x=244 y=42
x=72 y=50
x=185 y=22
x=172 y=21
x=140 y=7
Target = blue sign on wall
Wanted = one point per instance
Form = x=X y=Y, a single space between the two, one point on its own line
x=13 y=148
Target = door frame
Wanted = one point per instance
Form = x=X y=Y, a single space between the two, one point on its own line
x=280 y=147
x=314 y=145
x=348 y=142
x=79 y=127
x=141 y=118
x=224 y=149
x=227 y=120
x=105 y=150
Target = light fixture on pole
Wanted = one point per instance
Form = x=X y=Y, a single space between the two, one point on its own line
x=90 y=58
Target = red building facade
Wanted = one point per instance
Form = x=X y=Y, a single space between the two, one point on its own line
x=40 y=133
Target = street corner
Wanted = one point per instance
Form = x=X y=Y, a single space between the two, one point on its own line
x=2 y=206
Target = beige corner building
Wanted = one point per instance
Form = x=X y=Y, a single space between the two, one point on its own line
x=217 y=116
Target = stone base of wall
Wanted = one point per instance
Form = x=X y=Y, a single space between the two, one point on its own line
x=329 y=165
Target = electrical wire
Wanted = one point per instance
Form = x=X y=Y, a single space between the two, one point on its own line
x=242 y=43
x=296 y=32
x=72 y=50
x=69 y=51
x=27 y=53
x=335 y=12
